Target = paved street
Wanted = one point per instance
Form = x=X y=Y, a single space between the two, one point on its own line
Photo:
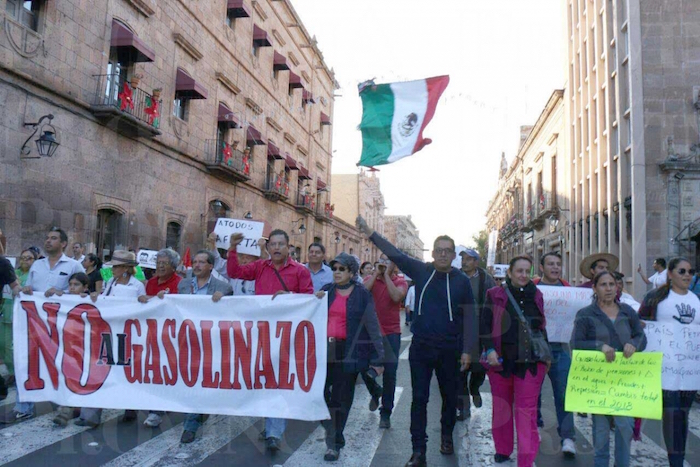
x=234 y=440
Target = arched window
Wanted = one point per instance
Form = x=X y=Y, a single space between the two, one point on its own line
x=217 y=209
x=173 y=235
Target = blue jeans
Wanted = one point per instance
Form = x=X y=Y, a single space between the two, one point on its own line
x=24 y=407
x=274 y=427
x=193 y=422
x=675 y=424
x=558 y=375
x=624 y=426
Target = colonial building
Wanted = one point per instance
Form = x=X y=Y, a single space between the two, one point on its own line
x=632 y=101
x=402 y=232
x=530 y=209
x=360 y=194
x=167 y=115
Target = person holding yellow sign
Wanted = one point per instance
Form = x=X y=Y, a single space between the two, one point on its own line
x=609 y=326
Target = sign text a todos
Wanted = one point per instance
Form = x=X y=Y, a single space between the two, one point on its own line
x=249 y=356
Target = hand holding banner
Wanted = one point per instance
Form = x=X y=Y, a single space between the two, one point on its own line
x=628 y=387
x=251 y=230
x=560 y=307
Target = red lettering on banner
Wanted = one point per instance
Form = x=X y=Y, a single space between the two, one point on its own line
x=305 y=353
x=207 y=380
x=133 y=372
x=225 y=338
x=189 y=369
x=170 y=353
x=152 y=363
x=243 y=353
x=74 y=349
x=262 y=356
x=284 y=328
x=41 y=340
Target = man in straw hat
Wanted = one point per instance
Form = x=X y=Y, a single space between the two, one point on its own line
x=595 y=264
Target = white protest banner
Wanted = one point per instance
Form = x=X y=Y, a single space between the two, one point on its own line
x=251 y=230
x=680 y=344
x=491 y=255
x=147 y=258
x=247 y=355
x=560 y=307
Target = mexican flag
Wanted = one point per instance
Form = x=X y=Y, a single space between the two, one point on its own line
x=394 y=116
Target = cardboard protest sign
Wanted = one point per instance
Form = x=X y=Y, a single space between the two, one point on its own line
x=628 y=387
x=499 y=270
x=251 y=230
x=147 y=258
x=560 y=307
x=680 y=345
x=247 y=356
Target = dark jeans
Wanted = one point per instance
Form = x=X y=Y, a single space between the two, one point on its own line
x=558 y=375
x=425 y=360
x=469 y=385
x=339 y=392
x=392 y=345
x=675 y=424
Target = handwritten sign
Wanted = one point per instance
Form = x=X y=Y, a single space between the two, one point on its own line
x=147 y=258
x=499 y=270
x=251 y=230
x=680 y=345
x=560 y=307
x=627 y=387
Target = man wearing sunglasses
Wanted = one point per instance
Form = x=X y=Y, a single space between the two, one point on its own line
x=444 y=335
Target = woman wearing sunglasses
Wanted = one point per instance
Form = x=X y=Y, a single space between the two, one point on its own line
x=352 y=324
x=673 y=302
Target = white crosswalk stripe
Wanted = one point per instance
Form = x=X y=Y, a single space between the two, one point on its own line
x=362 y=436
x=26 y=437
x=166 y=450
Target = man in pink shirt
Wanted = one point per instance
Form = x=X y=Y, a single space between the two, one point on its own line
x=277 y=275
x=388 y=291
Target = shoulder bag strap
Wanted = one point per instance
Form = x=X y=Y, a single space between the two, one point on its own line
x=518 y=310
x=277 y=273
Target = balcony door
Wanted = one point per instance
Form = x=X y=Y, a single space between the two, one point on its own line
x=109 y=232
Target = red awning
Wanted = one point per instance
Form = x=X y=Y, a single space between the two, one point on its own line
x=129 y=47
x=325 y=119
x=187 y=88
x=320 y=184
x=295 y=81
x=253 y=136
x=307 y=97
x=304 y=173
x=279 y=62
x=273 y=151
x=237 y=9
x=226 y=116
x=260 y=37
x=290 y=162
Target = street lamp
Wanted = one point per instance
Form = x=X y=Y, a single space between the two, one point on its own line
x=248 y=215
x=46 y=144
x=302 y=227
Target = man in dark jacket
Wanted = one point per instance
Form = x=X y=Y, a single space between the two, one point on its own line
x=444 y=334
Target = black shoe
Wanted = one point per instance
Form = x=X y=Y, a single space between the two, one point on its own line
x=272 y=444
x=374 y=401
x=81 y=422
x=14 y=417
x=187 y=437
x=129 y=416
x=447 y=446
x=500 y=458
x=417 y=460
x=3 y=389
x=477 y=400
x=385 y=420
x=331 y=455
x=463 y=414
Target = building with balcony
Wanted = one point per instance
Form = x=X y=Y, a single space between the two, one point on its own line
x=168 y=115
x=403 y=233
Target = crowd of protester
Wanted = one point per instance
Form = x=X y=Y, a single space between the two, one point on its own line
x=466 y=327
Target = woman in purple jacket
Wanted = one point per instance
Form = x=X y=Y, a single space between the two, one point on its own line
x=514 y=373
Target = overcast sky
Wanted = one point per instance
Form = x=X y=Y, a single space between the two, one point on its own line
x=504 y=58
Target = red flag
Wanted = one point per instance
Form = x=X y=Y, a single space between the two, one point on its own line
x=187 y=259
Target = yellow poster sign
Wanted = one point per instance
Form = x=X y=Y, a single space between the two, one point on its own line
x=628 y=387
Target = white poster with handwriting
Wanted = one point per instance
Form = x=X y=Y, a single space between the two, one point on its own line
x=680 y=344
x=560 y=307
x=251 y=230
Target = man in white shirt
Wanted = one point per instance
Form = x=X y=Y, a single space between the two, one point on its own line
x=660 y=276
x=78 y=252
x=240 y=286
x=48 y=275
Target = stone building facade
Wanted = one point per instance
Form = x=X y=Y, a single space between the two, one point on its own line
x=403 y=233
x=632 y=97
x=154 y=104
x=530 y=209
